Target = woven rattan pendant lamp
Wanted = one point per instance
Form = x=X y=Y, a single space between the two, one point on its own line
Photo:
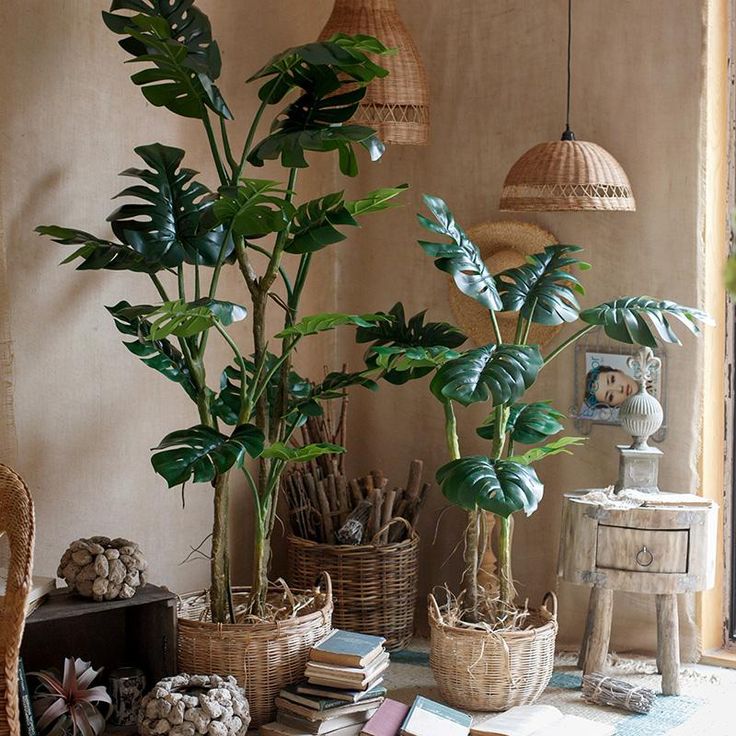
x=397 y=106
x=567 y=174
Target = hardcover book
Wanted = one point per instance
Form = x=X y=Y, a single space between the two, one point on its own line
x=287 y=706
x=28 y=724
x=387 y=720
x=428 y=718
x=347 y=648
x=351 y=678
x=281 y=729
x=540 y=720
x=346 y=696
x=356 y=720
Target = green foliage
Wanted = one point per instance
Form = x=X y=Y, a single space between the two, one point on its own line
x=280 y=451
x=460 y=257
x=316 y=323
x=251 y=209
x=160 y=355
x=167 y=228
x=185 y=319
x=527 y=423
x=556 y=447
x=175 y=38
x=631 y=319
x=201 y=453
x=315 y=224
x=97 y=253
x=499 y=486
x=333 y=386
x=500 y=373
x=408 y=350
x=544 y=288
x=318 y=120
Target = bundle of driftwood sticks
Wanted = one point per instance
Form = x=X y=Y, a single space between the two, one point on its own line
x=334 y=510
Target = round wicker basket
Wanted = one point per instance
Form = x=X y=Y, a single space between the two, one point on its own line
x=493 y=671
x=263 y=657
x=375 y=585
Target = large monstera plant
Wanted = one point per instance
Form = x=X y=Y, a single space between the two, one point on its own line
x=180 y=234
x=544 y=290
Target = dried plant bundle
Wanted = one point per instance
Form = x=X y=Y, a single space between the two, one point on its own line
x=602 y=690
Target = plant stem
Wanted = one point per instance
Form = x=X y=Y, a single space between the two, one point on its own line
x=159 y=287
x=248 y=142
x=471 y=559
x=496 y=329
x=453 y=443
x=220 y=563
x=505 y=579
x=213 y=148
x=232 y=163
x=570 y=340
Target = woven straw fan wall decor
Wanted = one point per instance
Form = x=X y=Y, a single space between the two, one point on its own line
x=568 y=174
x=397 y=106
x=503 y=244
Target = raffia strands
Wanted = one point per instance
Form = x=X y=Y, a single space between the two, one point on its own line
x=397 y=106
x=263 y=657
x=602 y=690
x=567 y=175
x=17 y=521
x=375 y=584
x=493 y=670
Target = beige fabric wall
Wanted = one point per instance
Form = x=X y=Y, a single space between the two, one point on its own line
x=87 y=413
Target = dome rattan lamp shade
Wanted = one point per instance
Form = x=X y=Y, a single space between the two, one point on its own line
x=396 y=106
x=567 y=175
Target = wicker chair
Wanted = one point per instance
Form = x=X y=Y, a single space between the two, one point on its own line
x=16 y=520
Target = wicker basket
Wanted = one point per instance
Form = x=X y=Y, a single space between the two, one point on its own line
x=478 y=670
x=375 y=585
x=263 y=658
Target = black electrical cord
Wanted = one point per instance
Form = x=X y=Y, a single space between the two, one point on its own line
x=568 y=135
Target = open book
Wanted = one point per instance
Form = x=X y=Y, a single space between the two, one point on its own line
x=539 y=720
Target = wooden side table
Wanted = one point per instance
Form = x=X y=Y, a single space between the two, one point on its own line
x=662 y=549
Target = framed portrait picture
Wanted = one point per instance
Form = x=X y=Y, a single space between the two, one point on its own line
x=605 y=378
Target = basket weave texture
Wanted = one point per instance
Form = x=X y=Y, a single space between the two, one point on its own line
x=493 y=671
x=375 y=585
x=567 y=175
x=396 y=106
x=263 y=658
x=17 y=521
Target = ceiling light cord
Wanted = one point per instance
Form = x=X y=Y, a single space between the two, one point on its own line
x=568 y=135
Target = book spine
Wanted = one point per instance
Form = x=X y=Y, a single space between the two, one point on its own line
x=28 y=724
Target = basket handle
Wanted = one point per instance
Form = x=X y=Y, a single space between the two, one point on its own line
x=549 y=595
x=435 y=609
x=409 y=528
x=324 y=576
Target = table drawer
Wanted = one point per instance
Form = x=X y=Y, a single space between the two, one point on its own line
x=642 y=550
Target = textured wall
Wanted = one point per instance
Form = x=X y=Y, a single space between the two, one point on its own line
x=86 y=413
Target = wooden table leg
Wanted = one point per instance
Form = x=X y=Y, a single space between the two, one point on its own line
x=600 y=610
x=668 y=643
x=586 y=636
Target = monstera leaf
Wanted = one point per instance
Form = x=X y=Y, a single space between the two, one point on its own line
x=631 y=319
x=527 y=423
x=186 y=319
x=160 y=355
x=342 y=55
x=408 y=350
x=316 y=323
x=316 y=223
x=175 y=37
x=201 y=453
x=167 y=227
x=561 y=445
x=97 y=253
x=280 y=451
x=460 y=258
x=251 y=209
x=501 y=373
x=542 y=289
x=499 y=486
x=318 y=119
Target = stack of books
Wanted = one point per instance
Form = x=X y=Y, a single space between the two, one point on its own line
x=340 y=692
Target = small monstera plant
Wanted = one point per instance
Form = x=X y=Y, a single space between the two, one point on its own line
x=180 y=234
x=544 y=291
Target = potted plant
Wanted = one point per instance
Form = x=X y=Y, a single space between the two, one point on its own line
x=180 y=234
x=489 y=653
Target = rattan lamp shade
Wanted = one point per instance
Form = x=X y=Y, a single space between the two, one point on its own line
x=567 y=175
x=397 y=106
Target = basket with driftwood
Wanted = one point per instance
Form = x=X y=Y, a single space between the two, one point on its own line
x=361 y=531
x=264 y=656
x=479 y=667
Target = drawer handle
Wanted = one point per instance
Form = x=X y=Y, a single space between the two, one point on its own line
x=644 y=557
